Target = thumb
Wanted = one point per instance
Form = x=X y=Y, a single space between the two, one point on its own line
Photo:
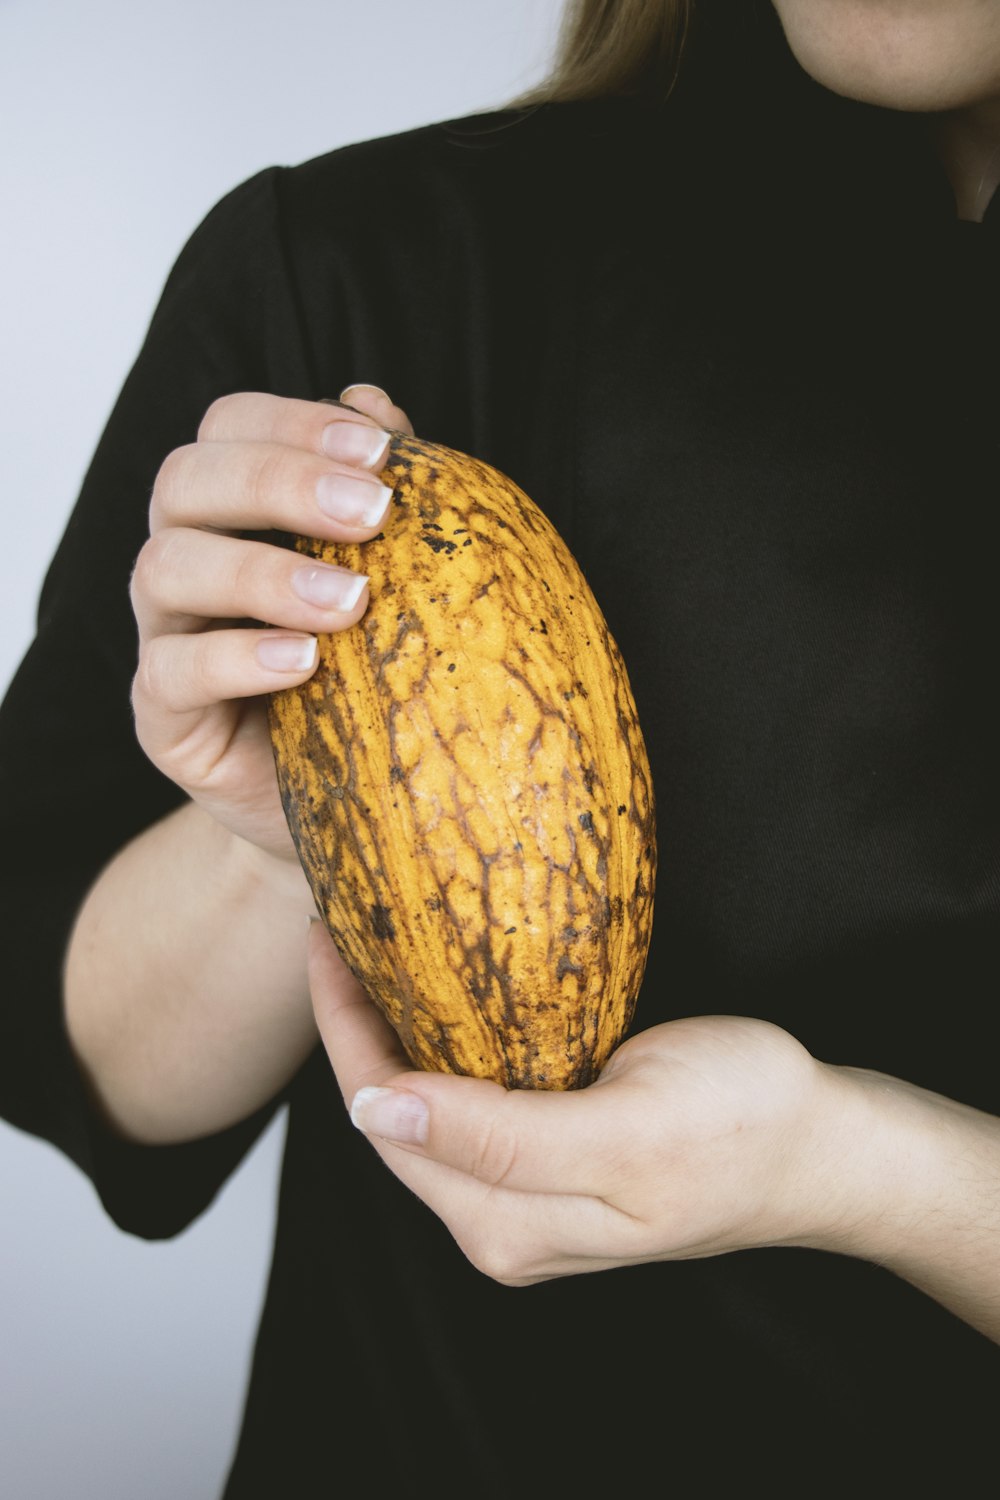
x=537 y=1141
x=530 y=1141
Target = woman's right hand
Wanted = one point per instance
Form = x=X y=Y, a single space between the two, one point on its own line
x=199 y=695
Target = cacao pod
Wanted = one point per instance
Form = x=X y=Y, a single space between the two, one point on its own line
x=467 y=785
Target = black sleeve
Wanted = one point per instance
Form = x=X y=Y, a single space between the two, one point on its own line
x=74 y=783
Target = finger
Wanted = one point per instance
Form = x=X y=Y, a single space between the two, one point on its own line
x=316 y=427
x=527 y=1141
x=347 y=1019
x=184 y=577
x=373 y=402
x=260 y=486
x=179 y=676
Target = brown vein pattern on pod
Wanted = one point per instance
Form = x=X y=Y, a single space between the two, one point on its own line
x=467 y=784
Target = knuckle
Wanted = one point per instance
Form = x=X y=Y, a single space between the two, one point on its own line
x=272 y=479
x=497 y=1257
x=492 y=1153
x=217 y=418
x=150 y=681
x=150 y=568
x=168 y=679
x=138 y=706
x=171 y=482
x=246 y=579
x=203 y=664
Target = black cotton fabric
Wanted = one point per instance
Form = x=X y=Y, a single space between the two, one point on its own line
x=742 y=352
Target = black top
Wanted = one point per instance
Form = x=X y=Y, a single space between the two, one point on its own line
x=743 y=353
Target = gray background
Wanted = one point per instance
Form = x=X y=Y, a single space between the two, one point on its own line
x=122 y=1364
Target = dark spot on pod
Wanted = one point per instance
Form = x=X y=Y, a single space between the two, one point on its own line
x=433 y=526
x=380 y=537
x=382 y=922
x=566 y=966
x=568 y=697
x=586 y=822
x=434 y=903
x=541 y=625
x=545 y=586
x=451 y=666
x=437 y=543
x=396 y=773
x=621 y=808
x=580 y=687
x=460 y=531
x=468 y=543
x=509 y=930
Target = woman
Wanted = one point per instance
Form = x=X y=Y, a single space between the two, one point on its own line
x=721 y=301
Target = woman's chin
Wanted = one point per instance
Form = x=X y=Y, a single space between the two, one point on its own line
x=915 y=56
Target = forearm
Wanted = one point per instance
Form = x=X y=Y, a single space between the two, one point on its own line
x=186 y=992
x=919 y=1192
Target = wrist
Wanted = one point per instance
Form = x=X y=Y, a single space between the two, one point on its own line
x=906 y=1169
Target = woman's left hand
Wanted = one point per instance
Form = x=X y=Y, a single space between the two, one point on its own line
x=701 y=1136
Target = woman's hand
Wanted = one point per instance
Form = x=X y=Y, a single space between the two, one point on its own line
x=260 y=463
x=701 y=1136
x=186 y=993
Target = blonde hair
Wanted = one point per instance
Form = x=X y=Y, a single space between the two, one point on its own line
x=614 y=47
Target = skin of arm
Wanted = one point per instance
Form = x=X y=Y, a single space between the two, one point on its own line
x=702 y=1136
x=186 y=995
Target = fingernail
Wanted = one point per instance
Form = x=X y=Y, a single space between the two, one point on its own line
x=362 y=385
x=287 y=653
x=330 y=588
x=359 y=502
x=353 y=443
x=392 y=1114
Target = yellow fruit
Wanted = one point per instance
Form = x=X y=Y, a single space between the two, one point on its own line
x=467 y=784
